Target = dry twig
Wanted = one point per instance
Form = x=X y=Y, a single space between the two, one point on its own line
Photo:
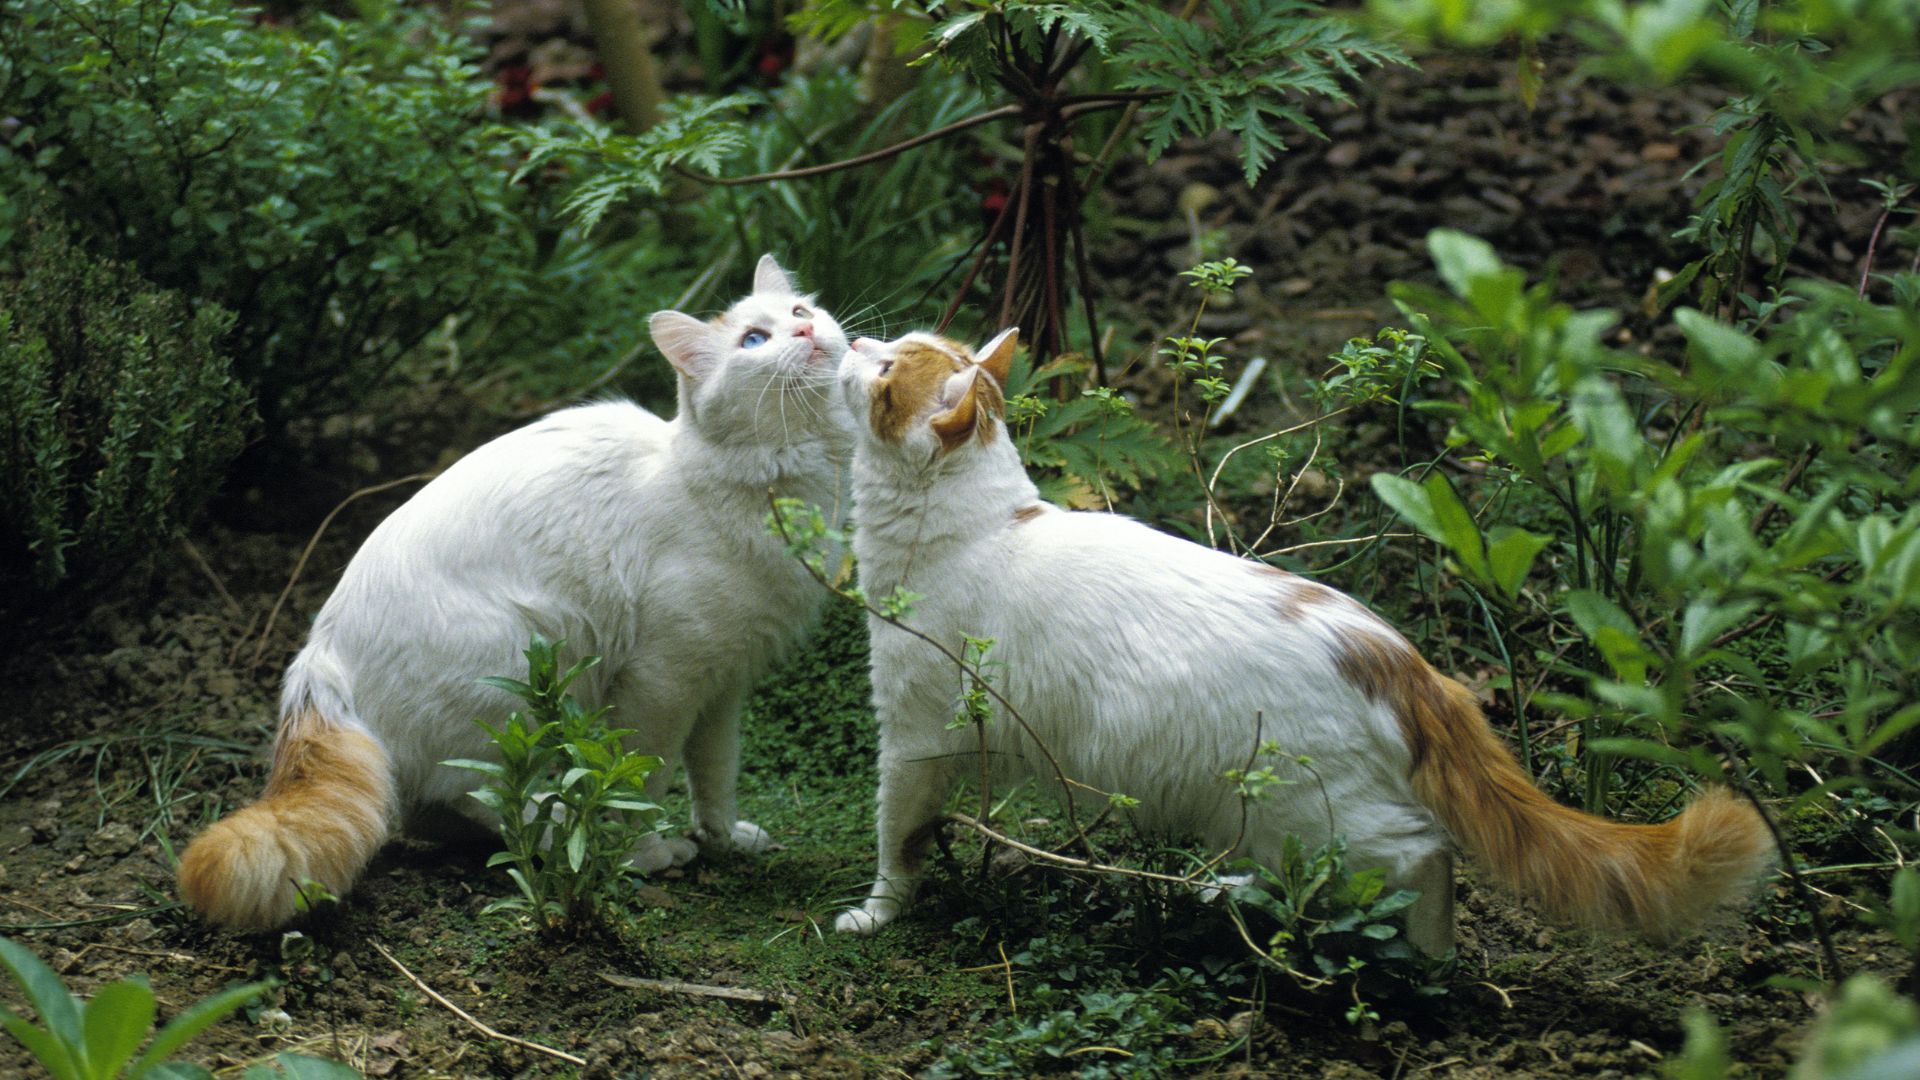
x=456 y=1010
x=300 y=564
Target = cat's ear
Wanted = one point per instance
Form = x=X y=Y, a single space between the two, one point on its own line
x=769 y=279
x=997 y=355
x=691 y=346
x=962 y=416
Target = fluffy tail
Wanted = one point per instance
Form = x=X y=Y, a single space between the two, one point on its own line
x=1655 y=880
x=325 y=813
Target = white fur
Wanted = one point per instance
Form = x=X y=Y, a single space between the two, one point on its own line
x=637 y=539
x=1140 y=659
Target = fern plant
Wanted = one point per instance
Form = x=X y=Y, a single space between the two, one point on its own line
x=1060 y=72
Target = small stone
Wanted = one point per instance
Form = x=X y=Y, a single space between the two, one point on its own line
x=139 y=930
x=75 y=864
x=64 y=961
x=114 y=840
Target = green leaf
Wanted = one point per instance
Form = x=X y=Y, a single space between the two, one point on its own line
x=54 y=1056
x=48 y=995
x=117 y=1020
x=1511 y=556
x=577 y=846
x=300 y=1067
x=197 y=1018
x=1462 y=260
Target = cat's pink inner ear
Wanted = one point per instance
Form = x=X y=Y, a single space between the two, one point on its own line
x=997 y=355
x=691 y=346
x=769 y=279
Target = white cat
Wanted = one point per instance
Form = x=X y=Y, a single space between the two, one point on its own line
x=637 y=539
x=1150 y=666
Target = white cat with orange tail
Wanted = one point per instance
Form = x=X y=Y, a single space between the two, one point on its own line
x=1151 y=666
x=634 y=538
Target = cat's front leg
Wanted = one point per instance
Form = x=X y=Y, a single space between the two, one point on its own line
x=911 y=796
x=713 y=773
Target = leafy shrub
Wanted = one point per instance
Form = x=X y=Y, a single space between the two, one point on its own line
x=118 y=414
x=571 y=800
x=1333 y=923
x=813 y=716
x=97 y=1039
x=329 y=184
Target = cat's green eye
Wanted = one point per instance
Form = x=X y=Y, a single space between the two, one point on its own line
x=801 y=312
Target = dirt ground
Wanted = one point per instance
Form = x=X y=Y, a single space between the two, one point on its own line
x=155 y=712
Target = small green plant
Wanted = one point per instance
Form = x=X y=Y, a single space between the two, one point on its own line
x=571 y=799
x=98 y=1039
x=118 y=414
x=1333 y=923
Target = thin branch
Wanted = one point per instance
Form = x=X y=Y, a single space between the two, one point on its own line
x=471 y=1022
x=882 y=154
x=300 y=564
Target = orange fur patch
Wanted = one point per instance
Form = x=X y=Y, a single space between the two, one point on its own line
x=325 y=812
x=1658 y=880
x=911 y=388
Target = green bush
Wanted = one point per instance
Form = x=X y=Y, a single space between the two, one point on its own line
x=329 y=184
x=118 y=413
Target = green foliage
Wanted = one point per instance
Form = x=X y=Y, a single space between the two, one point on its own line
x=1333 y=924
x=101 y=1038
x=118 y=414
x=1240 y=70
x=1081 y=447
x=869 y=239
x=1082 y=1032
x=571 y=799
x=328 y=183
x=813 y=717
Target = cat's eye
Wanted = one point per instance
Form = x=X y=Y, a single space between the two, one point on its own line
x=886 y=366
x=800 y=312
x=754 y=339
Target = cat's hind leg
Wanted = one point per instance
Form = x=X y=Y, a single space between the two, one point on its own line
x=911 y=796
x=1430 y=919
x=657 y=851
x=713 y=773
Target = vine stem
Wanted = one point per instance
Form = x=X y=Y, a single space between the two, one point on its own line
x=882 y=154
x=1067 y=784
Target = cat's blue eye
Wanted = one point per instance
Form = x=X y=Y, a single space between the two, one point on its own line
x=754 y=339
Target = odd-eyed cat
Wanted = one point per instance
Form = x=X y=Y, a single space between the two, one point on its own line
x=637 y=539
x=1150 y=666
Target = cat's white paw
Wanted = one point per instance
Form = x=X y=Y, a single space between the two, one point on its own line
x=858 y=921
x=655 y=852
x=751 y=838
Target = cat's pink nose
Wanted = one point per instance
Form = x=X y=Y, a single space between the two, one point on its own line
x=804 y=330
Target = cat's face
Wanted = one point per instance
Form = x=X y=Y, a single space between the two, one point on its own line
x=764 y=369
x=924 y=396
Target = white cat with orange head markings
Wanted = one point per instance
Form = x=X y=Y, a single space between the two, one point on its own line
x=1150 y=666
x=636 y=539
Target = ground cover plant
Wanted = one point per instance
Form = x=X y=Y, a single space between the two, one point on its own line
x=1582 y=346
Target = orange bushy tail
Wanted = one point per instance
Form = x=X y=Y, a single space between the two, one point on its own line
x=1656 y=880
x=325 y=813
